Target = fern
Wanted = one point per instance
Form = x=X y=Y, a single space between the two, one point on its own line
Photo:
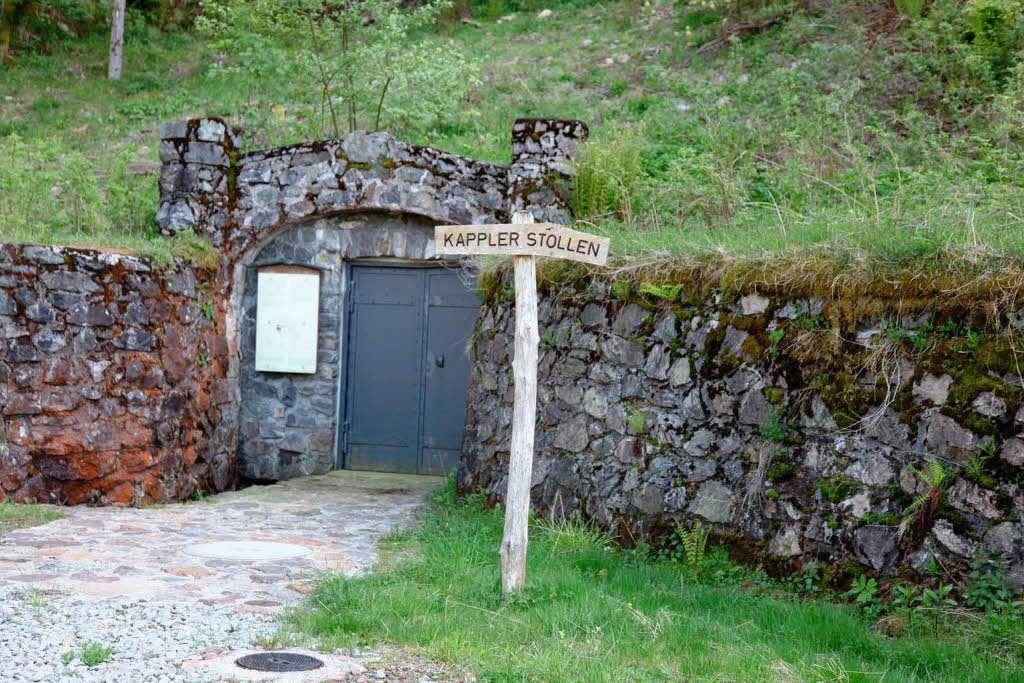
x=924 y=506
x=910 y=8
x=666 y=293
x=935 y=474
x=694 y=543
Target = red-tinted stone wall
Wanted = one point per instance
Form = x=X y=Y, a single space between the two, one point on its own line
x=113 y=384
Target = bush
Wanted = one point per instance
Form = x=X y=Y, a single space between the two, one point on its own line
x=994 y=30
x=33 y=25
x=48 y=189
x=362 y=58
x=608 y=173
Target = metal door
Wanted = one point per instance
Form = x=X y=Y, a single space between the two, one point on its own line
x=406 y=368
x=451 y=313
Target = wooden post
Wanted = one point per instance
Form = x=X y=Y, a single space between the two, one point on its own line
x=524 y=240
x=524 y=412
x=116 y=40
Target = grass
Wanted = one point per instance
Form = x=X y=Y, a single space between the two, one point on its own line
x=818 y=139
x=18 y=516
x=92 y=654
x=592 y=612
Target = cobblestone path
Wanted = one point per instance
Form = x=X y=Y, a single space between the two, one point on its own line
x=72 y=581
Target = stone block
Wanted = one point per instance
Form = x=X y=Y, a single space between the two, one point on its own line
x=91 y=316
x=46 y=256
x=786 y=542
x=207 y=153
x=69 y=282
x=1013 y=451
x=713 y=502
x=656 y=366
x=989 y=405
x=135 y=339
x=7 y=305
x=174 y=130
x=754 y=304
x=622 y=352
x=952 y=541
x=572 y=435
x=629 y=320
x=948 y=440
x=365 y=148
x=932 y=388
x=877 y=547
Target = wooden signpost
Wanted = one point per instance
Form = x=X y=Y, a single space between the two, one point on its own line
x=524 y=240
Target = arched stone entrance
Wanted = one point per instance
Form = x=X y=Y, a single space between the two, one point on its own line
x=294 y=424
x=330 y=206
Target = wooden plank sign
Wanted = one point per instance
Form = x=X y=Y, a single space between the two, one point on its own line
x=525 y=240
x=536 y=239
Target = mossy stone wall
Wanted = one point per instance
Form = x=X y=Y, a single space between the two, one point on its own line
x=789 y=425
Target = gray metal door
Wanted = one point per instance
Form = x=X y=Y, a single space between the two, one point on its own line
x=406 y=368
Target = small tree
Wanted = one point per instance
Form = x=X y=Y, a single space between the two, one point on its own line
x=116 y=40
x=360 y=55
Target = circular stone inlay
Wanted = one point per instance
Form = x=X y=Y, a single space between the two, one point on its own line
x=248 y=550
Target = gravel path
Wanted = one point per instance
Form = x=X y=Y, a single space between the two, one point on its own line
x=42 y=636
x=127 y=579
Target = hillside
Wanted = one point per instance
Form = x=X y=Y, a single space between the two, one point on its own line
x=844 y=131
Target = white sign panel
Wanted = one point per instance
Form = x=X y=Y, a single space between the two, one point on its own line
x=287 y=306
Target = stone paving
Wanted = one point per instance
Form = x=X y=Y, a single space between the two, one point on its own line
x=137 y=560
x=102 y=553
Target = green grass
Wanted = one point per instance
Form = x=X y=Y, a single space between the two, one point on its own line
x=18 y=516
x=817 y=136
x=94 y=653
x=595 y=613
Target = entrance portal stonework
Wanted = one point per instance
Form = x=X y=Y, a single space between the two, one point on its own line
x=288 y=422
x=321 y=205
x=124 y=381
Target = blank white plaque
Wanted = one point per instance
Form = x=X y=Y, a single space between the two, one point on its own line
x=287 y=306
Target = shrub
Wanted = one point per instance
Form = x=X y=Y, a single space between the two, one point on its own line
x=37 y=25
x=46 y=184
x=362 y=58
x=988 y=587
x=607 y=175
x=995 y=31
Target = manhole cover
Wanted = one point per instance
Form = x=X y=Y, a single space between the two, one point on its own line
x=279 y=662
x=248 y=550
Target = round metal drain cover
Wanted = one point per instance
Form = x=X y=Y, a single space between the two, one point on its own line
x=279 y=662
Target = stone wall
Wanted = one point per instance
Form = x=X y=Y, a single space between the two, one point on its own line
x=288 y=422
x=112 y=385
x=798 y=436
x=321 y=204
x=207 y=184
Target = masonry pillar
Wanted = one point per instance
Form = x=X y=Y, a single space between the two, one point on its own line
x=542 y=154
x=196 y=179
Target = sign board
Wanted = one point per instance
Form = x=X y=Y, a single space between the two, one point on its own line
x=530 y=239
x=524 y=240
x=287 y=318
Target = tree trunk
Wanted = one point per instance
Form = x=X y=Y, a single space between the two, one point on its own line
x=524 y=415
x=116 y=40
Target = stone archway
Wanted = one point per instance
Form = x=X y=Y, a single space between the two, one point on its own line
x=288 y=423
x=321 y=205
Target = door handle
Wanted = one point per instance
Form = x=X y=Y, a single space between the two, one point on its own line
x=439 y=360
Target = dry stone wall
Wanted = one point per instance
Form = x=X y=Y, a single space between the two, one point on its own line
x=796 y=440
x=320 y=205
x=207 y=184
x=112 y=379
